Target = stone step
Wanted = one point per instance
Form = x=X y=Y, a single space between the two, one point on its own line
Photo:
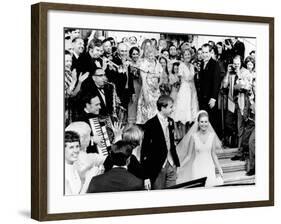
x=226 y=153
x=232 y=166
x=238 y=177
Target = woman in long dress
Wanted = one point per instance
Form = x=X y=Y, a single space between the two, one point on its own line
x=174 y=80
x=165 y=87
x=134 y=72
x=186 y=105
x=150 y=71
x=197 y=153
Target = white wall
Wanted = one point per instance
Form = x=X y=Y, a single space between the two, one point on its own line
x=15 y=112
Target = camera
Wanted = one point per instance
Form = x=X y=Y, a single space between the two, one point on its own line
x=231 y=69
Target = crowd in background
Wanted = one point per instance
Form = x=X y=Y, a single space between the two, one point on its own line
x=129 y=76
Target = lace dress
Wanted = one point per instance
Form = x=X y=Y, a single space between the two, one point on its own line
x=186 y=103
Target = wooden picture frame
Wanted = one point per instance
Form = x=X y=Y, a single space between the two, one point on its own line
x=39 y=109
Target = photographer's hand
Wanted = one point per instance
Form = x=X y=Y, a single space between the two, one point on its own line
x=212 y=103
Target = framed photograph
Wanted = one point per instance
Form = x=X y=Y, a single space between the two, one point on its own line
x=139 y=111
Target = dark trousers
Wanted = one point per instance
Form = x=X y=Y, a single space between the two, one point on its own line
x=244 y=150
x=252 y=151
x=166 y=178
x=214 y=115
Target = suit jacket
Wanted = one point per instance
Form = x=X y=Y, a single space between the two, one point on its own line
x=134 y=166
x=120 y=80
x=154 y=149
x=89 y=86
x=88 y=64
x=209 y=80
x=116 y=179
x=238 y=49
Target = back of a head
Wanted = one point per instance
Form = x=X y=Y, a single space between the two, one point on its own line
x=133 y=134
x=120 y=152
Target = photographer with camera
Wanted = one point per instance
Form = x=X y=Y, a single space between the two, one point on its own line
x=238 y=82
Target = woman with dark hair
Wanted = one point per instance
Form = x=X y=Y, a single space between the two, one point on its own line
x=165 y=88
x=165 y=53
x=250 y=66
x=154 y=43
x=174 y=80
x=134 y=72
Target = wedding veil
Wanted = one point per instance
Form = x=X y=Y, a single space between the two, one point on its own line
x=185 y=145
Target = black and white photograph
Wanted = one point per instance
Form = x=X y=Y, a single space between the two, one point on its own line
x=147 y=111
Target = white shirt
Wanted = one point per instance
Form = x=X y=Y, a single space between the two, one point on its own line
x=165 y=127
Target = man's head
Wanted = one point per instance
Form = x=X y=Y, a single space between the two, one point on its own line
x=237 y=62
x=121 y=152
x=95 y=48
x=133 y=40
x=234 y=39
x=123 y=50
x=99 y=77
x=199 y=54
x=112 y=41
x=74 y=33
x=107 y=48
x=133 y=134
x=206 y=52
x=162 y=44
x=78 y=45
x=165 y=105
x=173 y=51
x=71 y=146
x=91 y=104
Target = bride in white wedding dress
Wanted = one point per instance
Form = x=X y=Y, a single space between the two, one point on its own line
x=197 y=153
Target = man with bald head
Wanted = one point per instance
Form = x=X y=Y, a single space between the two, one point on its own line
x=120 y=76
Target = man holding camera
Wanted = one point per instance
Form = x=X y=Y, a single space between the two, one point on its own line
x=238 y=83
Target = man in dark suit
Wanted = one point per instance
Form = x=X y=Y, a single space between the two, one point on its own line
x=118 y=178
x=209 y=82
x=78 y=49
x=96 y=84
x=121 y=77
x=158 y=154
x=238 y=48
x=91 y=110
x=92 y=60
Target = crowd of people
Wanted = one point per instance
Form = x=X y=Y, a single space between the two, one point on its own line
x=165 y=106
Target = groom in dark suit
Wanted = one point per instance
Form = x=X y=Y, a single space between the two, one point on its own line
x=209 y=83
x=158 y=154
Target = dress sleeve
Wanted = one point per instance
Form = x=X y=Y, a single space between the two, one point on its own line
x=191 y=73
